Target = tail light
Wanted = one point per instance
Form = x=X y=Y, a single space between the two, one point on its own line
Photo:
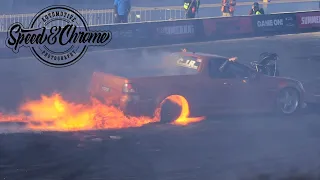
x=128 y=88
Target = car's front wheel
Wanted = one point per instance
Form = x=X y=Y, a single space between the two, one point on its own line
x=288 y=101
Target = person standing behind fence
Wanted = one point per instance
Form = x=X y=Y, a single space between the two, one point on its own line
x=228 y=7
x=191 y=7
x=256 y=10
x=122 y=9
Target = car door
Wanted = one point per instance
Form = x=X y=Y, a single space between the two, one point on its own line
x=245 y=91
x=218 y=88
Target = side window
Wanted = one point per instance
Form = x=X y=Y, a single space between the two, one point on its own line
x=215 y=72
x=238 y=70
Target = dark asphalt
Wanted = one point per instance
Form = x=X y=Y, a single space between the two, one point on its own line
x=228 y=148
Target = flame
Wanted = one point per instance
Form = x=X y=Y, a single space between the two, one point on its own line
x=53 y=113
x=184 y=118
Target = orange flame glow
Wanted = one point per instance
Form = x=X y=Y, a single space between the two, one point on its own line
x=184 y=118
x=53 y=113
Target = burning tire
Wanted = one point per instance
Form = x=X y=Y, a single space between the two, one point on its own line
x=288 y=101
x=170 y=111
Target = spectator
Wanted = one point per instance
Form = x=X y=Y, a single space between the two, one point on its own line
x=121 y=10
x=191 y=7
x=198 y=6
x=228 y=7
x=256 y=10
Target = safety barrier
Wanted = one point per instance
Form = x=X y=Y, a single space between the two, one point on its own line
x=148 y=34
x=209 y=29
x=102 y=17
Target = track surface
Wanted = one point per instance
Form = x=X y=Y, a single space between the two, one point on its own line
x=218 y=149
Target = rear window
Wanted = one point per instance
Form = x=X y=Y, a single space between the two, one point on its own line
x=185 y=65
x=189 y=62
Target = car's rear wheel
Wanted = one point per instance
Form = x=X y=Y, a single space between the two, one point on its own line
x=170 y=111
x=288 y=101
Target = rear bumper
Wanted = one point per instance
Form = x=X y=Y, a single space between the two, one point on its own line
x=132 y=105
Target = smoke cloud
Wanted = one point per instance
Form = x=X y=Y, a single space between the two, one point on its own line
x=27 y=78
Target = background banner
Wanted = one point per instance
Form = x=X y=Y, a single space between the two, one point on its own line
x=127 y=35
x=221 y=28
x=309 y=20
x=171 y=32
x=275 y=24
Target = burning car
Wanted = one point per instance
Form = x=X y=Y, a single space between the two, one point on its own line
x=211 y=84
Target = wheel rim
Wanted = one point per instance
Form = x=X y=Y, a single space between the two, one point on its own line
x=288 y=101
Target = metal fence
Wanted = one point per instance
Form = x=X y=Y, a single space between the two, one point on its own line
x=99 y=17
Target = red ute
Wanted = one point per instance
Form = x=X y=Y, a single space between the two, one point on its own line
x=212 y=84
